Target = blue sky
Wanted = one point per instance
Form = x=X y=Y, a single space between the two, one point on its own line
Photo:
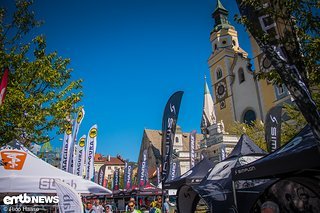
x=132 y=55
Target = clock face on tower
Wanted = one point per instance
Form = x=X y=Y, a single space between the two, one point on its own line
x=221 y=90
x=265 y=64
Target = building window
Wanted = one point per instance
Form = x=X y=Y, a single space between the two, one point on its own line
x=224 y=42
x=177 y=140
x=215 y=46
x=219 y=73
x=249 y=117
x=241 y=75
x=234 y=42
x=109 y=167
x=280 y=89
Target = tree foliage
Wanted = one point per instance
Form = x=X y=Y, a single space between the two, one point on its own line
x=256 y=131
x=299 y=23
x=40 y=92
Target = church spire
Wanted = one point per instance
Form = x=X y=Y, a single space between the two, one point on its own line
x=208 y=114
x=220 y=16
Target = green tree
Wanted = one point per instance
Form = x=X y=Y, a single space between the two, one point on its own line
x=298 y=23
x=40 y=92
x=256 y=131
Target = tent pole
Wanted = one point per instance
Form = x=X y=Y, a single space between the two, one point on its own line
x=234 y=194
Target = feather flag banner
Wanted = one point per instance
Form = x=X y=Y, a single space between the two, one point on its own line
x=3 y=85
x=71 y=166
x=90 y=151
x=80 y=156
x=169 y=122
x=65 y=155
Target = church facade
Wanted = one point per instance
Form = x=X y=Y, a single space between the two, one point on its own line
x=238 y=96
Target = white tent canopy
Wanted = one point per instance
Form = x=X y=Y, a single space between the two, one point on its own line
x=22 y=171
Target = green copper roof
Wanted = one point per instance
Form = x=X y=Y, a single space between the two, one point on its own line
x=220 y=16
x=220 y=6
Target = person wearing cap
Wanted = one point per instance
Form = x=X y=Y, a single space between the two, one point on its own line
x=131 y=208
x=108 y=208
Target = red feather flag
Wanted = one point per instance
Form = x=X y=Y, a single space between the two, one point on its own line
x=3 y=85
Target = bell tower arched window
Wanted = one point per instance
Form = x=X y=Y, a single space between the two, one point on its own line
x=219 y=73
x=241 y=75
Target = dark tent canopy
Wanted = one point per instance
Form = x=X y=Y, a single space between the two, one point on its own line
x=301 y=153
x=246 y=147
x=193 y=176
x=216 y=187
x=294 y=170
x=187 y=198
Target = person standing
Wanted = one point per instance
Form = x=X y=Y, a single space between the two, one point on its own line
x=131 y=208
x=89 y=208
x=108 y=209
x=166 y=205
x=131 y=200
x=98 y=208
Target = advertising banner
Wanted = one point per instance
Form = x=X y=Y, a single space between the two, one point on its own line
x=65 y=155
x=80 y=155
x=169 y=122
x=273 y=128
x=192 y=141
x=76 y=126
x=90 y=151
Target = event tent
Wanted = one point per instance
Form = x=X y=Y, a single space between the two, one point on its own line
x=186 y=196
x=295 y=167
x=193 y=176
x=216 y=187
x=301 y=153
x=22 y=171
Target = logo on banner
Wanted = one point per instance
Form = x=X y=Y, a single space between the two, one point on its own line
x=80 y=116
x=128 y=184
x=69 y=131
x=90 y=156
x=167 y=143
x=93 y=133
x=82 y=142
x=273 y=132
x=116 y=180
x=13 y=160
x=143 y=170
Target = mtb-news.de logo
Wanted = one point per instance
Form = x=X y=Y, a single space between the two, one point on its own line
x=24 y=198
x=13 y=159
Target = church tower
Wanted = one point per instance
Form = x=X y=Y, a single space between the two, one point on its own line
x=234 y=88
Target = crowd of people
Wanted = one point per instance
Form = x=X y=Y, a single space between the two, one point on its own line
x=155 y=206
x=97 y=207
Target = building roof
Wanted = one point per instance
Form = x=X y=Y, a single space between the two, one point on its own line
x=98 y=158
x=155 y=137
